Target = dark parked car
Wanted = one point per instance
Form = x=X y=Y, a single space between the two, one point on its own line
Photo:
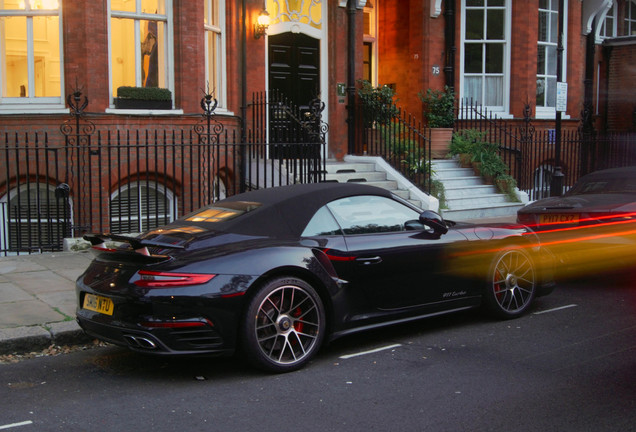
x=592 y=228
x=275 y=272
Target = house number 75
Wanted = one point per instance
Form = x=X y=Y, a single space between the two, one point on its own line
x=435 y=70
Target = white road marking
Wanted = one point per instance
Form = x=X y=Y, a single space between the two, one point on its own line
x=348 y=356
x=12 y=425
x=555 y=309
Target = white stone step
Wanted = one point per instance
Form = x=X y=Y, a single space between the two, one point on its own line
x=461 y=182
x=476 y=201
x=344 y=167
x=446 y=173
x=356 y=176
x=499 y=210
x=467 y=197
x=469 y=192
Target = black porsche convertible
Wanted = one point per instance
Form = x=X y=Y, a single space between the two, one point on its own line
x=274 y=273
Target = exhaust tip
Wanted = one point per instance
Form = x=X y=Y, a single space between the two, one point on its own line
x=140 y=342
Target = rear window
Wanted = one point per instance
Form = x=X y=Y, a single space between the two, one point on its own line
x=610 y=185
x=222 y=212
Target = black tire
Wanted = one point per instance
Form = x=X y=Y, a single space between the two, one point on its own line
x=284 y=325
x=512 y=283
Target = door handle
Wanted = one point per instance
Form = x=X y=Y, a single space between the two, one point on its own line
x=369 y=260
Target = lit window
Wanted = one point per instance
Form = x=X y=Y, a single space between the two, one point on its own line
x=214 y=26
x=369 y=48
x=485 y=36
x=30 y=52
x=140 y=206
x=548 y=38
x=140 y=48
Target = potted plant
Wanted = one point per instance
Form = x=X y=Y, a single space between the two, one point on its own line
x=492 y=166
x=463 y=144
x=439 y=113
x=143 y=98
x=506 y=184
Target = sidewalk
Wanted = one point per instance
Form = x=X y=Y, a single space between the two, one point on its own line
x=37 y=298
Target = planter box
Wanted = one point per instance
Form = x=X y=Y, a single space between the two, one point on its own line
x=440 y=142
x=140 y=104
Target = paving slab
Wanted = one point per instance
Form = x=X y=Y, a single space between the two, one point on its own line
x=27 y=313
x=11 y=293
x=41 y=281
x=62 y=301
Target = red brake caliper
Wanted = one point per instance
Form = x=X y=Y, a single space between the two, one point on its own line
x=298 y=326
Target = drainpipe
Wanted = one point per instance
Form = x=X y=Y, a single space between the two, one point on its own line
x=556 y=187
x=351 y=78
x=449 y=37
x=243 y=92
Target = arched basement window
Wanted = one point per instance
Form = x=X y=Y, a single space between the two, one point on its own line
x=33 y=219
x=140 y=206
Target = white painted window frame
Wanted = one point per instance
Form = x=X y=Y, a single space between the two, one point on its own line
x=544 y=112
x=630 y=17
x=219 y=88
x=31 y=103
x=168 y=19
x=501 y=111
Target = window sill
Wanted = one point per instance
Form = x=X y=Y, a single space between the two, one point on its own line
x=143 y=112
x=31 y=110
x=550 y=115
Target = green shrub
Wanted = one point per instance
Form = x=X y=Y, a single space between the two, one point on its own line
x=378 y=106
x=439 y=107
x=144 y=93
x=465 y=141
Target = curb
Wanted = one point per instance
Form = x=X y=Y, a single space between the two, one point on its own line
x=25 y=339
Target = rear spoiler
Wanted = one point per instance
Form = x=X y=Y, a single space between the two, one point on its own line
x=98 y=242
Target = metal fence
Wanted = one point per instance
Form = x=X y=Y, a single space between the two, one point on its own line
x=531 y=156
x=96 y=178
x=402 y=141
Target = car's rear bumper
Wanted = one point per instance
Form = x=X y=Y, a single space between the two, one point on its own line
x=162 y=341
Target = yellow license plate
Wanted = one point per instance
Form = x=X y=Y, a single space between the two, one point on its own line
x=558 y=218
x=98 y=304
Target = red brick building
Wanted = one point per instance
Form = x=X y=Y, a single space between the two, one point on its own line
x=498 y=53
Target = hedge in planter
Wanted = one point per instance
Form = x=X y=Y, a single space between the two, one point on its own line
x=143 y=98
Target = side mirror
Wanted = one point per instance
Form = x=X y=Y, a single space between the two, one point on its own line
x=433 y=220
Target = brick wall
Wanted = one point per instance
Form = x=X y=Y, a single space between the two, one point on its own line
x=621 y=105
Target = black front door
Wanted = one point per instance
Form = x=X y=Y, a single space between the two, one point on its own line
x=294 y=67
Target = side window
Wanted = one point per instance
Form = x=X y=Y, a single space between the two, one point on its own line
x=322 y=224
x=371 y=214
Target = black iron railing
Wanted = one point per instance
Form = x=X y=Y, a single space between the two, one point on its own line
x=96 y=178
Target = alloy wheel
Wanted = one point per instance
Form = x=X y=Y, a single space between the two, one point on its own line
x=513 y=282
x=288 y=325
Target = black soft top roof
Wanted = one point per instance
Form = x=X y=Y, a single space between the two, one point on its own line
x=286 y=210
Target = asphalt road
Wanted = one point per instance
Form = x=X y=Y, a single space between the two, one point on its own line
x=569 y=365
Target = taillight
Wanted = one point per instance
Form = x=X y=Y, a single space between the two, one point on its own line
x=153 y=279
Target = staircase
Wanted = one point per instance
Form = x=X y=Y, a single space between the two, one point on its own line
x=375 y=171
x=467 y=197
